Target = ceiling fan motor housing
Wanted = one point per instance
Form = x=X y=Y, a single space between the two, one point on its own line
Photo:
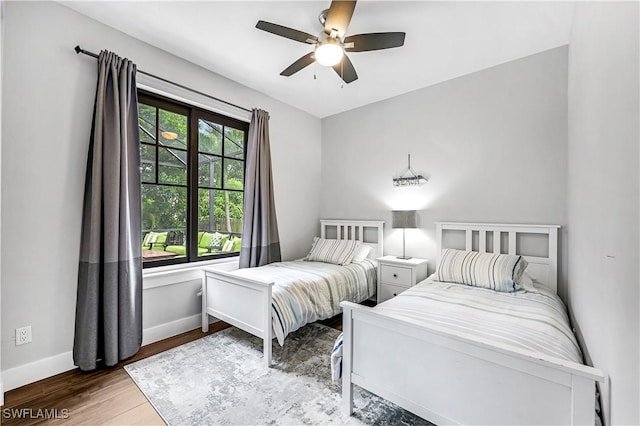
x=323 y=16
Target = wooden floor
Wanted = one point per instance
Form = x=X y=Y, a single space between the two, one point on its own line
x=104 y=396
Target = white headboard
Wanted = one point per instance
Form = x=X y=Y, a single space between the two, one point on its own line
x=545 y=269
x=355 y=230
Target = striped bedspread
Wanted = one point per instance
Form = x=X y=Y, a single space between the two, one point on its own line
x=305 y=292
x=534 y=321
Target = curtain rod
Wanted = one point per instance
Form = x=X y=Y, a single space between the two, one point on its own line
x=79 y=50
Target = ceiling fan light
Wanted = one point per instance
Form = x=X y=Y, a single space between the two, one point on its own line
x=329 y=52
x=169 y=135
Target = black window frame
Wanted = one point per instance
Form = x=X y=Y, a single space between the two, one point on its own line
x=193 y=114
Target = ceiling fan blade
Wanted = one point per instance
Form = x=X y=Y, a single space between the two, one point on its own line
x=286 y=32
x=346 y=70
x=339 y=17
x=301 y=63
x=374 y=41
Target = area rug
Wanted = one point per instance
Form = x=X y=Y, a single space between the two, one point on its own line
x=221 y=380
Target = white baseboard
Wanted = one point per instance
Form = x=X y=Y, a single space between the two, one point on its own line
x=37 y=370
x=41 y=369
x=170 y=329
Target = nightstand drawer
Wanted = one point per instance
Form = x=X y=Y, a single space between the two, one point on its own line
x=387 y=291
x=396 y=275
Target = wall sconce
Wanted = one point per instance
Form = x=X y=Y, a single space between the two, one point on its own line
x=408 y=177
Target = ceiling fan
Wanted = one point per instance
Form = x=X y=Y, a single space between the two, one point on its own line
x=331 y=45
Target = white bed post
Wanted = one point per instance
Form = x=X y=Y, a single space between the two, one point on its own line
x=582 y=401
x=438 y=241
x=553 y=256
x=268 y=328
x=347 y=386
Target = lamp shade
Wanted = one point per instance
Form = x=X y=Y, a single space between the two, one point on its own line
x=404 y=219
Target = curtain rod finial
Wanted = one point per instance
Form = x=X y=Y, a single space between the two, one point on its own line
x=77 y=49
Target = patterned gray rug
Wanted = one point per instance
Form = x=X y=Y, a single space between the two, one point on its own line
x=221 y=380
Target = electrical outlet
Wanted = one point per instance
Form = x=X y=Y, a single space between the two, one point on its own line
x=23 y=335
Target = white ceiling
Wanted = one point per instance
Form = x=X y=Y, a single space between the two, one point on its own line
x=444 y=40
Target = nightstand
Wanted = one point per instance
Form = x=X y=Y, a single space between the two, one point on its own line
x=396 y=275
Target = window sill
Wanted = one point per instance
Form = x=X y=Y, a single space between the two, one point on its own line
x=173 y=274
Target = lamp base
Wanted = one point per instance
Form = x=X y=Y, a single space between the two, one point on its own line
x=404 y=257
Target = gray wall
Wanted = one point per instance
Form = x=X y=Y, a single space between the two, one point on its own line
x=48 y=93
x=603 y=192
x=493 y=143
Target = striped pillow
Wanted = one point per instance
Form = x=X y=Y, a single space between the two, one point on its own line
x=499 y=272
x=339 y=252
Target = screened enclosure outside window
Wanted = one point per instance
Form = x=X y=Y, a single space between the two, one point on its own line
x=192 y=173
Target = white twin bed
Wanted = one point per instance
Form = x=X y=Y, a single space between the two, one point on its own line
x=450 y=353
x=279 y=298
x=456 y=354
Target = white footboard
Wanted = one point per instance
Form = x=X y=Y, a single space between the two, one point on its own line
x=450 y=379
x=242 y=302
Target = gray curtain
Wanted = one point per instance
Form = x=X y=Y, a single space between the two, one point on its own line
x=260 y=242
x=109 y=301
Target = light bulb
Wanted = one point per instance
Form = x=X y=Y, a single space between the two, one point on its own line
x=329 y=52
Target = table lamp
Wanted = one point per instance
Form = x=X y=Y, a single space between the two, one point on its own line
x=404 y=219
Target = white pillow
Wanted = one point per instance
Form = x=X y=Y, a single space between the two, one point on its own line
x=526 y=283
x=339 y=252
x=361 y=254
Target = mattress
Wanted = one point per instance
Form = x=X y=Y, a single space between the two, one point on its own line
x=304 y=292
x=533 y=321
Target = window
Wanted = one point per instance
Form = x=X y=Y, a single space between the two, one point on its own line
x=192 y=174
